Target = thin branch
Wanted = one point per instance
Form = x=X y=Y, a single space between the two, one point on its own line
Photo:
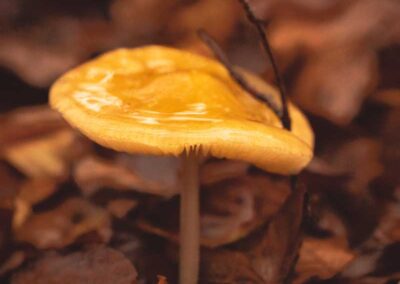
x=267 y=47
x=220 y=55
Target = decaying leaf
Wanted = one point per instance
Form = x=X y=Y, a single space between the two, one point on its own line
x=349 y=76
x=30 y=193
x=120 y=207
x=388 y=230
x=9 y=184
x=149 y=257
x=42 y=157
x=272 y=253
x=340 y=67
x=36 y=190
x=37 y=142
x=322 y=257
x=100 y=265
x=223 y=266
x=71 y=41
x=339 y=60
x=140 y=18
x=27 y=123
x=219 y=170
x=231 y=210
x=236 y=207
x=370 y=267
x=162 y=279
x=14 y=261
x=62 y=226
x=206 y=14
x=92 y=174
x=267 y=256
x=360 y=159
x=345 y=189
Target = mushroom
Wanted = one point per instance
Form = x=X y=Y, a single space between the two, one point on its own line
x=163 y=101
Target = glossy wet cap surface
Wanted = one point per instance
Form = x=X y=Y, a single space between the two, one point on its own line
x=159 y=100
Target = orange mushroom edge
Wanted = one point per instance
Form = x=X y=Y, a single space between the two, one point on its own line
x=164 y=101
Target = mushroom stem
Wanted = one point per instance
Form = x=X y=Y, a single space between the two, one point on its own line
x=189 y=220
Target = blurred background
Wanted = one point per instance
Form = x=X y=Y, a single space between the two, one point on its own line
x=340 y=60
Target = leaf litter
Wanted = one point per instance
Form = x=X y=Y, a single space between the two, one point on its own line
x=66 y=201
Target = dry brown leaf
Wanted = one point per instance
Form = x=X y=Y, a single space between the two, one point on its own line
x=267 y=256
x=235 y=208
x=322 y=257
x=217 y=17
x=36 y=190
x=140 y=18
x=230 y=210
x=9 y=184
x=359 y=22
x=120 y=207
x=389 y=97
x=92 y=173
x=100 y=265
x=361 y=159
x=72 y=40
x=346 y=199
x=224 y=266
x=26 y=123
x=149 y=256
x=162 y=279
x=388 y=230
x=373 y=266
x=300 y=8
x=274 y=250
x=14 y=261
x=334 y=84
x=62 y=226
x=390 y=150
x=339 y=53
x=160 y=171
x=30 y=193
x=43 y=157
x=218 y=170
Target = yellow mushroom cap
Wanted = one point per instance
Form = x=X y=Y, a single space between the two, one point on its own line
x=164 y=101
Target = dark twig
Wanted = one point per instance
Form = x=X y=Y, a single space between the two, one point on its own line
x=220 y=55
x=264 y=40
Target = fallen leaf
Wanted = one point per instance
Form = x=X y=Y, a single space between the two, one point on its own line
x=100 y=265
x=92 y=173
x=36 y=190
x=30 y=193
x=347 y=195
x=9 y=184
x=42 y=157
x=72 y=40
x=26 y=123
x=15 y=260
x=273 y=251
x=339 y=55
x=218 y=170
x=140 y=19
x=218 y=18
x=224 y=266
x=266 y=256
x=234 y=208
x=64 y=225
x=230 y=210
x=322 y=257
x=349 y=75
x=162 y=279
x=120 y=207
x=370 y=267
